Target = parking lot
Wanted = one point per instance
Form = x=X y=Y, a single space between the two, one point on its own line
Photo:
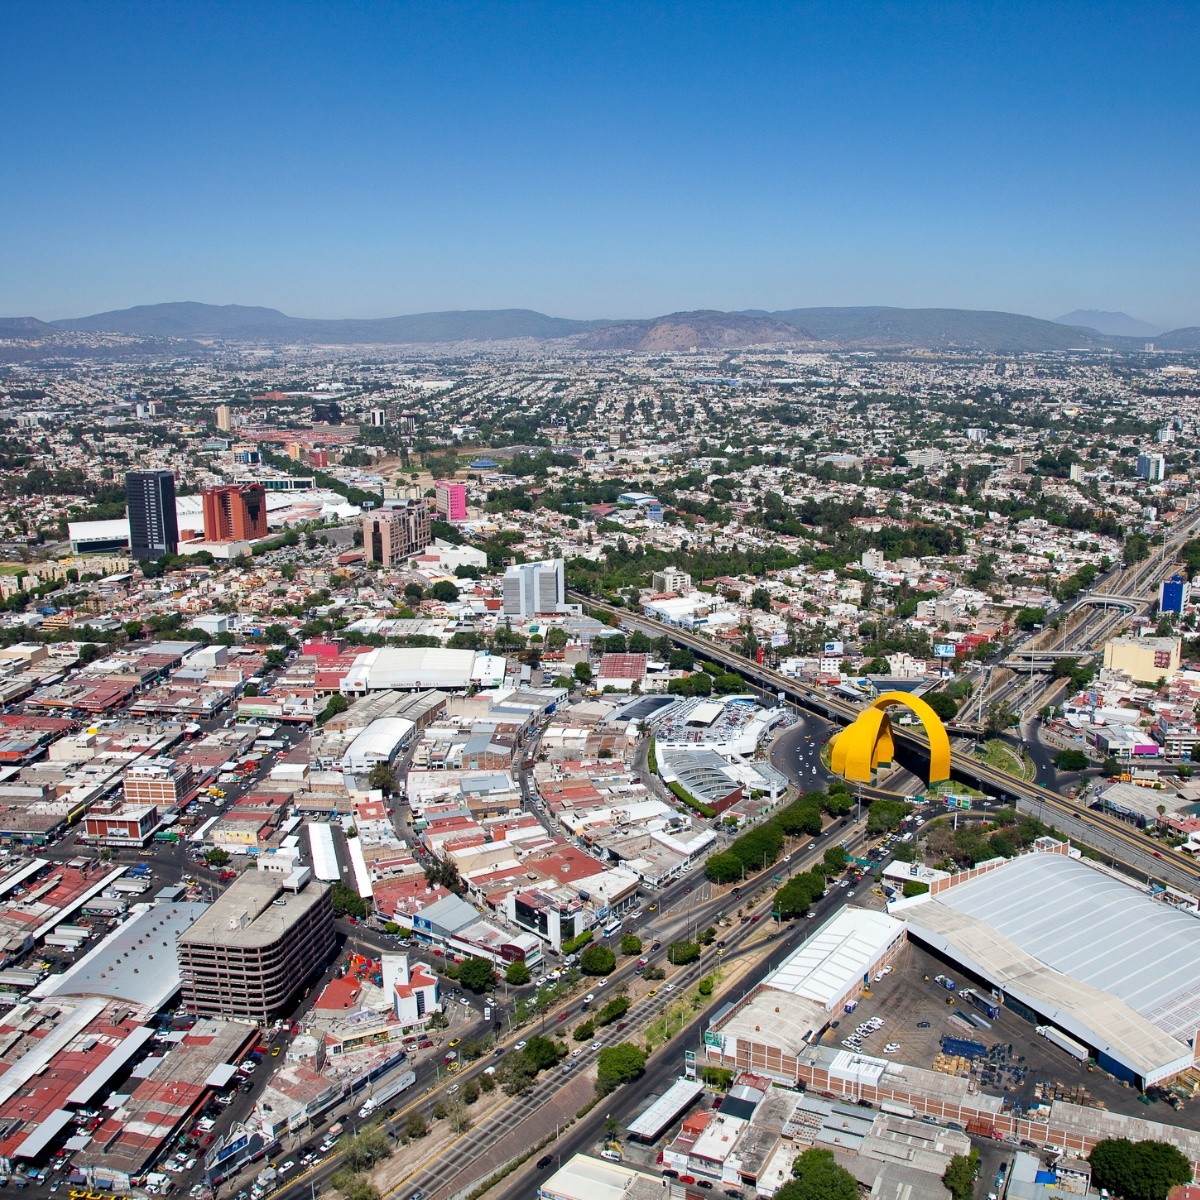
x=915 y=1012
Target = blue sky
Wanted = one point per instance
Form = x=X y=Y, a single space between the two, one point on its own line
x=603 y=159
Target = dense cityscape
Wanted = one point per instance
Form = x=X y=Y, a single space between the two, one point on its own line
x=421 y=772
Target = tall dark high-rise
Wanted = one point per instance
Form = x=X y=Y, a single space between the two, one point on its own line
x=153 y=525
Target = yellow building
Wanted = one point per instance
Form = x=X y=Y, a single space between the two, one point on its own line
x=1144 y=659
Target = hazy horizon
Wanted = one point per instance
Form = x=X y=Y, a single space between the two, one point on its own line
x=601 y=161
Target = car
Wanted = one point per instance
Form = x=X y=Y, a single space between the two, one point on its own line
x=577 y=1052
x=425 y=1045
x=521 y=1045
x=589 y=997
x=652 y=992
x=721 y=944
x=544 y=1161
x=850 y=893
x=670 y=987
x=562 y=1016
x=274 y=1051
x=417 y=1195
x=597 y=1044
x=453 y=1042
x=602 y=982
x=687 y=1179
x=704 y=1183
x=755 y=918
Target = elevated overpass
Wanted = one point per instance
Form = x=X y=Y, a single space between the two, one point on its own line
x=1171 y=866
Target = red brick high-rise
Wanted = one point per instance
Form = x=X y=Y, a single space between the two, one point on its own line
x=235 y=513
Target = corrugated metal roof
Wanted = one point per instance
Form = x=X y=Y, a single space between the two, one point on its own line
x=1095 y=929
x=826 y=966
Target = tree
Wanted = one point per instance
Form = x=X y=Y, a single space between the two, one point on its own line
x=347 y=902
x=1029 y=619
x=216 y=857
x=1071 y=760
x=337 y=704
x=597 y=960
x=365 y=1148
x=382 y=778
x=631 y=944
x=816 y=1176
x=723 y=867
x=959 y=1176
x=354 y=1185
x=518 y=974
x=1136 y=548
x=583 y=672
x=618 y=1064
x=1138 y=1170
x=585 y=1030
x=543 y=1052
x=760 y=598
x=943 y=705
x=445 y=591
x=834 y=860
x=886 y=815
x=477 y=974
x=616 y=1008
x=414 y=592
x=681 y=953
x=414 y=1124
x=999 y=718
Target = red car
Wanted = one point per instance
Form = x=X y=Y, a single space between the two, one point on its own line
x=227 y=876
x=562 y=1016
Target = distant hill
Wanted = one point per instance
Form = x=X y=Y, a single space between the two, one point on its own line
x=1187 y=338
x=1118 y=324
x=938 y=329
x=235 y=322
x=703 y=330
x=26 y=339
x=24 y=327
x=161 y=328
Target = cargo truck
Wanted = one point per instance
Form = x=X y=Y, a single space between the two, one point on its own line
x=1064 y=1042
x=386 y=1091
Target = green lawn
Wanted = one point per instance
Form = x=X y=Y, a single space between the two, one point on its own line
x=1003 y=757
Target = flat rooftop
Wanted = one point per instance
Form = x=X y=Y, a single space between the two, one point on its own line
x=255 y=910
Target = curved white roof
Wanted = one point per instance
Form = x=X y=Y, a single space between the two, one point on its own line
x=377 y=743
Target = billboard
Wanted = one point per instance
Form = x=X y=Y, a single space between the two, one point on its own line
x=778 y=640
x=945 y=650
x=833 y=649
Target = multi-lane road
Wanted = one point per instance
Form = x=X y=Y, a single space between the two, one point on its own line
x=1106 y=833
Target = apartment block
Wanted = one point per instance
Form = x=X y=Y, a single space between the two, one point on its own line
x=160 y=781
x=235 y=513
x=450 y=500
x=396 y=532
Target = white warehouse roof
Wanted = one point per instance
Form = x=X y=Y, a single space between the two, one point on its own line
x=1107 y=964
x=426 y=668
x=377 y=743
x=837 y=956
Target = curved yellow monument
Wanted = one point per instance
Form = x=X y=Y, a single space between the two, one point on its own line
x=866 y=743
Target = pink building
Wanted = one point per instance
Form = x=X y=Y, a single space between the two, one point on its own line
x=450 y=500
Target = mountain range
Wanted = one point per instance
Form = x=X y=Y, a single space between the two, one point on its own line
x=159 y=328
x=1117 y=323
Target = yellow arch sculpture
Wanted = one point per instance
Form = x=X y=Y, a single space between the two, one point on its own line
x=868 y=741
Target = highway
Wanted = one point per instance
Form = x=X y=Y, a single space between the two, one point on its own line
x=1108 y=834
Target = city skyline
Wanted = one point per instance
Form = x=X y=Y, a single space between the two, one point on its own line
x=614 y=162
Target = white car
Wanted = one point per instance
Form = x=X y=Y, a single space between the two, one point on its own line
x=602 y=982
x=521 y=1045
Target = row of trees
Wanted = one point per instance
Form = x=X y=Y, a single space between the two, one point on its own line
x=760 y=847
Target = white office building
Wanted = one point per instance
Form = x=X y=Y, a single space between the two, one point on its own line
x=535 y=588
